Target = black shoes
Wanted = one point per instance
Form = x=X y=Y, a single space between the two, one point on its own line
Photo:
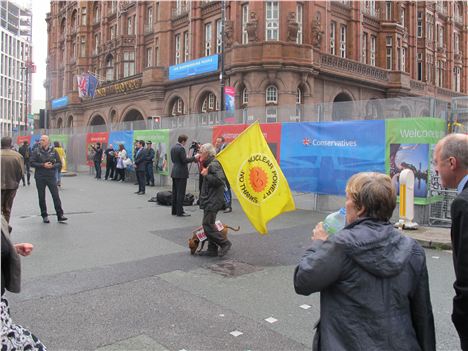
x=224 y=249
x=45 y=220
x=228 y=210
x=141 y=193
x=62 y=218
x=208 y=253
x=185 y=214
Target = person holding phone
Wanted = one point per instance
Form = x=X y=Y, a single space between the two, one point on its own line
x=46 y=161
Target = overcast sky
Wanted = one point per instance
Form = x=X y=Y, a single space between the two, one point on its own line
x=39 y=10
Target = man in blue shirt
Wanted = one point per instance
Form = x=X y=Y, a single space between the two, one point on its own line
x=451 y=164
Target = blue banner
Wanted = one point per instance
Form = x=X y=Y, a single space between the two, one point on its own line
x=124 y=137
x=60 y=102
x=194 y=67
x=321 y=157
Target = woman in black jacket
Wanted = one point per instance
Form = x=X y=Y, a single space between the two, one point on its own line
x=373 y=281
x=14 y=336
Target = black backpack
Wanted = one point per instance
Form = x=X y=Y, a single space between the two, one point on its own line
x=165 y=198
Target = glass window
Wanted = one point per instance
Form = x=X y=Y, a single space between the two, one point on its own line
x=245 y=97
x=83 y=46
x=157 y=51
x=149 y=16
x=130 y=26
x=84 y=19
x=219 y=36
x=332 y=38
x=271 y=95
x=109 y=68
x=186 y=47
x=456 y=43
x=389 y=53
x=149 y=57
x=245 y=20
x=343 y=41
x=388 y=10
x=129 y=63
x=208 y=39
x=299 y=15
x=364 y=48
x=420 y=66
x=272 y=20
x=420 y=24
x=177 y=49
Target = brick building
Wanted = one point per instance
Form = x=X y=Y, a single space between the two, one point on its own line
x=276 y=53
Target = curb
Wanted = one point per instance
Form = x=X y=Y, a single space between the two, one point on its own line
x=429 y=244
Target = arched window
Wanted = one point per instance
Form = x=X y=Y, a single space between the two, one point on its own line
x=271 y=95
x=177 y=107
x=209 y=103
x=110 y=68
x=70 y=122
x=245 y=97
x=73 y=21
x=299 y=96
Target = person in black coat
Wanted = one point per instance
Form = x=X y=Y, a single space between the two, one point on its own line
x=179 y=175
x=46 y=161
x=451 y=163
x=110 y=162
x=373 y=281
x=140 y=166
x=25 y=151
x=149 y=163
x=97 y=159
x=212 y=200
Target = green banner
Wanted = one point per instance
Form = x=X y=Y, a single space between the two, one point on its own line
x=160 y=140
x=61 y=138
x=409 y=145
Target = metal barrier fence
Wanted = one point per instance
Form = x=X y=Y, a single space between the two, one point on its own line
x=199 y=127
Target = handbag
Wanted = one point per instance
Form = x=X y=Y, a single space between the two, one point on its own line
x=127 y=162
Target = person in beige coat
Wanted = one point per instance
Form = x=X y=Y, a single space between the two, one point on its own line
x=11 y=174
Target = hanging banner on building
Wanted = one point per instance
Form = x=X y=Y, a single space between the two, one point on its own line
x=321 y=157
x=194 y=67
x=409 y=145
x=87 y=85
x=160 y=140
x=271 y=132
x=229 y=98
x=91 y=140
x=60 y=103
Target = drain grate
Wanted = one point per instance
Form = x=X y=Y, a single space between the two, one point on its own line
x=232 y=268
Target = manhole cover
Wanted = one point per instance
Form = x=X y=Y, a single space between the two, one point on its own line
x=231 y=268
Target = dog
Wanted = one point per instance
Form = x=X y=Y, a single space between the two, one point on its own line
x=194 y=241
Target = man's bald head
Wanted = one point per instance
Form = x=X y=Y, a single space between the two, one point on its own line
x=44 y=141
x=451 y=159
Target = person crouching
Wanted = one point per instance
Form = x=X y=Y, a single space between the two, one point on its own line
x=212 y=200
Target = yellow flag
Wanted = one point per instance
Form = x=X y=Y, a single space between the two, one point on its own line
x=256 y=178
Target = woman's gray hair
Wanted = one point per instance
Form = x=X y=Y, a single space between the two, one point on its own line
x=374 y=192
x=456 y=145
x=208 y=148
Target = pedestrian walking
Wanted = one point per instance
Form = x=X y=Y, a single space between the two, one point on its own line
x=373 y=281
x=140 y=166
x=97 y=159
x=46 y=161
x=14 y=336
x=212 y=200
x=11 y=174
x=25 y=151
x=150 y=154
x=110 y=162
x=63 y=162
x=451 y=164
x=179 y=175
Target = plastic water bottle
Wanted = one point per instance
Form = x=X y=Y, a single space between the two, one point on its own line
x=335 y=221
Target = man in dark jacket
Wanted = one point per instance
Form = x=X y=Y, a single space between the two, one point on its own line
x=212 y=200
x=149 y=163
x=110 y=162
x=140 y=166
x=46 y=161
x=179 y=175
x=451 y=163
x=373 y=281
x=12 y=171
x=25 y=151
x=220 y=145
x=97 y=159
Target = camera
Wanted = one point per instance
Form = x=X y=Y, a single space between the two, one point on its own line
x=195 y=146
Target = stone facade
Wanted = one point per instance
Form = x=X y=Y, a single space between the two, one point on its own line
x=289 y=53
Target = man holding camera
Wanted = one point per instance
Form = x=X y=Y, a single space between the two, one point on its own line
x=46 y=160
x=179 y=175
